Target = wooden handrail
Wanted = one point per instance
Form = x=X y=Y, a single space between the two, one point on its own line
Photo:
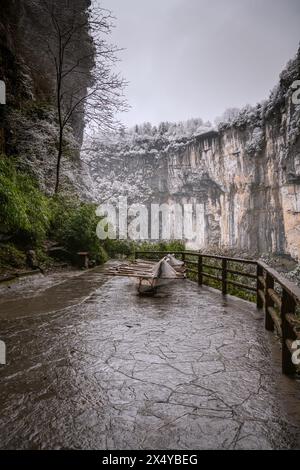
x=196 y=253
x=291 y=288
x=279 y=304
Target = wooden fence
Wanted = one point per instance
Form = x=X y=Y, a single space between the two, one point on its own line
x=277 y=297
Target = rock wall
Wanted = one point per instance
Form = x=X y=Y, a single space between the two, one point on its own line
x=246 y=175
x=29 y=120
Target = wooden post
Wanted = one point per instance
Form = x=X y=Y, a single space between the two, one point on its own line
x=259 y=286
x=183 y=257
x=269 y=324
x=224 y=276
x=83 y=259
x=288 y=306
x=200 y=269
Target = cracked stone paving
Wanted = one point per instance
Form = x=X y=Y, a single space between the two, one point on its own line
x=92 y=365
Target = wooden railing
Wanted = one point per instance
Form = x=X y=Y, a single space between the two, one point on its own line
x=279 y=298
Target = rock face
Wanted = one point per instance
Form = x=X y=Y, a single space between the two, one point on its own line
x=28 y=123
x=246 y=174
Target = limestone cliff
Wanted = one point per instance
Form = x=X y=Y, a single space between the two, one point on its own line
x=246 y=174
x=29 y=120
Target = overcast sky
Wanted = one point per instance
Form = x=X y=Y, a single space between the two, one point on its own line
x=195 y=58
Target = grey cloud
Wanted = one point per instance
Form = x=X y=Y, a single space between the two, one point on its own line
x=194 y=58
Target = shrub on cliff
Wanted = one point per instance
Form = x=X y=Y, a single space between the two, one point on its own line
x=118 y=247
x=25 y=212
x=170 y=246
x=73 y=224
x=28 y=217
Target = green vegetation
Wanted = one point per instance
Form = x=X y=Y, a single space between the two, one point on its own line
x=25 y=211
x=118 y=247
x=73 y=225
x=169 y=246
x=11 y=256
x=215 y=269
x=29 y=219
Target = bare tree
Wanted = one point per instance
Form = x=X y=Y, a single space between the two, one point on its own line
x=86 y=84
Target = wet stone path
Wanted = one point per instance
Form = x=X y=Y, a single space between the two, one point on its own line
x=92 y=365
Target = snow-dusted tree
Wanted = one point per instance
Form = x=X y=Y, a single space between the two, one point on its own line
x=147 y=128
x=228 y=116
x=82 y=59
x=163 y=127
